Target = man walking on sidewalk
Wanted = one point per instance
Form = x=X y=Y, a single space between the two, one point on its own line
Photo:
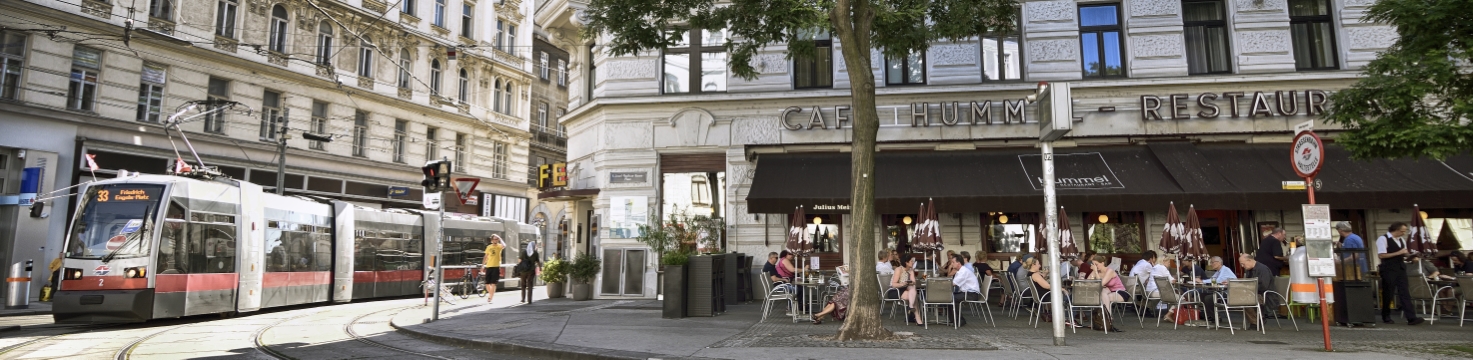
x=1392 y=250
x=493 y=266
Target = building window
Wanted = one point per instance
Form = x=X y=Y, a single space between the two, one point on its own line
x=319 y=123
x=324 y=43
x=496 y=96
x=1099 y=40
x=467 y=20
x=697 y=64
x=271 y=120
x=816 y=72
x=908 y=71
x=506 y=103
x=465 y=86
x=1115 y=232
x=432 y=143
x=511 y=39
x=440 y=13
x=401 y=129
x=365 y=57
x=278 y=29
x=161 y=9
x=12 y=60
x=498 y=160
x=460 y=151
x=1205 y=26
x=700 y=191
x=1002 y=56
x=435 y=77
x=404 y=66
x=500 y=34
x=542 y=117
x=1009 y=232
x=542 y=65
x=407 y=7
x=82 y=93
x=225 y=18
x=592 y=78
x=1314 y=35
x=360 y=133
x=219 y=89
x=151 y=93
x=562 y=73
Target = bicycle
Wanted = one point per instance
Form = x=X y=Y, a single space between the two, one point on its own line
x=471 y=281
x=445 y=293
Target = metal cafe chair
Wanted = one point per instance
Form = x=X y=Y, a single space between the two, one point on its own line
x=1423 y=295
x=979 y=299
x=1144 y=305
x=1173 y=299
x=1086 y=294
x=886 y=293
x=1242 y=295
x=1465 y=282
x=1282 y=284
x=1046 y=300
x=1024 y=291
x=1009 y=293
x=938 y=294
x=774 y=294
x=1132 y=289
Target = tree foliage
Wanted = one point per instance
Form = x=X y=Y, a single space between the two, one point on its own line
x=895 y=27
x=1415 y=98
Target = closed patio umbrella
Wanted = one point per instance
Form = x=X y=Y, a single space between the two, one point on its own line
x=1419 y=241
x=1173 y=234
x=1068 y=250
x=1194 y=247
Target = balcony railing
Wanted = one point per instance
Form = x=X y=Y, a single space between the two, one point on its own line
x=549 y=137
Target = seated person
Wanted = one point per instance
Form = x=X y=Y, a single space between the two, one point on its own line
x=904 y=281
x=839 y=303
x=1112 y=290
x=1189 y=267
x=1040 y=281
x=882 y=265
x=1265 y=278
x=787 y=272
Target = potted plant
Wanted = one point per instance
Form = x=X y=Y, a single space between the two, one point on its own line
x=555 y=274
x=674 y=285
x=582 y=271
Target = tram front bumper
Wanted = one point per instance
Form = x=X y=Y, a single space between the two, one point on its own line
x=102 y=306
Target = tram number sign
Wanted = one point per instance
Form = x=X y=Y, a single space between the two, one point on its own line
x=1308 y=154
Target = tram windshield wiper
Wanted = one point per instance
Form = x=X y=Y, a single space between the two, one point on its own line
x=147 y=225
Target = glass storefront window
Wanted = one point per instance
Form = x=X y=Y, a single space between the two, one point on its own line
x=1011 y=232
x=1114 y=232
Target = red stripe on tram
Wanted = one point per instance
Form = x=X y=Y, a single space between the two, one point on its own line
x=280 y=279
x=167 y=283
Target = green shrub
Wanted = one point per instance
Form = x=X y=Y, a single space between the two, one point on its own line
x=675 y=258
x=555 y=271
x=585 y=268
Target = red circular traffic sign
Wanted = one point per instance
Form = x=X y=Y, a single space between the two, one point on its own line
x=116 y=242
x=1308 y=154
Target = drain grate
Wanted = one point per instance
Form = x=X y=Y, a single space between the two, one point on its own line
x=1269 y=342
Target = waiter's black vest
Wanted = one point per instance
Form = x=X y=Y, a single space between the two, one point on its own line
x=1396 y=264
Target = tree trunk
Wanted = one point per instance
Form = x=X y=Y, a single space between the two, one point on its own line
x=852 y=20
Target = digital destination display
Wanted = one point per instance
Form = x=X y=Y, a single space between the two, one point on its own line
x=128 y=193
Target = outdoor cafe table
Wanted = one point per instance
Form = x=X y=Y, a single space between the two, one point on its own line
x=1209 y=304
x=810 y=287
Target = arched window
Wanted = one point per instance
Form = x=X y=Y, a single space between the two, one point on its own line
x=435 y=77
x=496 y=96
x=365 y=57
x=507 y=106
x=404 y=66
x=324 y=43
x=278 y=29
x=465 y=86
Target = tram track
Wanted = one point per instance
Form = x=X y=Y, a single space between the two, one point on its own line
x=264 y=347
x=349 y=329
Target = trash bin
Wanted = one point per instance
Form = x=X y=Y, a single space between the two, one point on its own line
x=1354 y=295
x=18 y=286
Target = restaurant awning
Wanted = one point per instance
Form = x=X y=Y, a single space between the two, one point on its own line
x=1117 y=178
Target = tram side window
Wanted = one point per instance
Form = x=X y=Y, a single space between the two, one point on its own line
x=211 y=246
x=365 y=247
x=172 y=241
x=322 y=249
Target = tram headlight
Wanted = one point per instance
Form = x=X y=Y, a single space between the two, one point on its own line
x=136 y=272
x=72 y=274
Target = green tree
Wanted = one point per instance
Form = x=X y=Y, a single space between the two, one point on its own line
x=1415 y=98
x=895 y=27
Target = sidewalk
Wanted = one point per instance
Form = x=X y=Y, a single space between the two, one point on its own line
x=633 y=329
x=34 y=308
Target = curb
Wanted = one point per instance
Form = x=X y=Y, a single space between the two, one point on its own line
x=25 y=313
x=9 y=328
x=526 y=348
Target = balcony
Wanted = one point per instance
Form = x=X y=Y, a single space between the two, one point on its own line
x=549 y=137
x=513 y=60
x=532 y=175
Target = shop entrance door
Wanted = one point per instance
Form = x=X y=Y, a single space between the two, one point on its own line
x=1216 y=228
x=623 y=272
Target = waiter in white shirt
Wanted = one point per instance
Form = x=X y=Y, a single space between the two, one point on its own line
x=1392 y=250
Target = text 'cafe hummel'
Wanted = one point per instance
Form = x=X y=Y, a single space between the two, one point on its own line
x=1153 y=107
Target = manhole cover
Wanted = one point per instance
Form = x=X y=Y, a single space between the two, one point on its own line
x=1269 y=342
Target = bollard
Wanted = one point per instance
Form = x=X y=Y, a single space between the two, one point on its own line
x=18 y=286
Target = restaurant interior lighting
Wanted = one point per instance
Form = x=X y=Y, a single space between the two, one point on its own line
x=817 y=220
x=1002 y=219
x=1423 y=214
x=906 y=220
x=1104 y=218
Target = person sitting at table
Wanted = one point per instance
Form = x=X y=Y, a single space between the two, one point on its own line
x=1147 y=270
x=1021 y=270
x=1265 y=278
x=882 y=264
x=1190 y=266
x=1040 y=281
x=964 y=286
x=838 y=305
x=1461 y=262
x=904 y=281
x=1085 y=266
x=1112 y=291
x=787 y=273
x=1222 y=273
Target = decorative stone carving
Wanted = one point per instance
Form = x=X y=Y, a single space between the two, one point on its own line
x=1049 y=10
x=257 y=7
x=1257 y=42
x=365 y=82
x=325 y=70
x=375 y=6
x=759 y=130
x=1157 y=46
x=638 y=68
x=738 y=174
x=409 y=19
x=954 y=54
x=160 y=25
x=1053 y=50
x=770 y=63
x=406 y=93
x=507 y=58
x=276 y=58
x=692 y=126
x=627 y=135
x=1267 y=5
x=1154 y=7
x=440 y=30
x=1358 y=3
x=1371 y=37
x=100 y=9
x=226 y=44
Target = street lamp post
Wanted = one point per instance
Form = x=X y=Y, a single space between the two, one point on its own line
x=1055 y=119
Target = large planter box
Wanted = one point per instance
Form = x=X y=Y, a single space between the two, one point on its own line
x=698 y=286
x=582 y=292
x=556 y=290
x=674 y=288
x=729 y=276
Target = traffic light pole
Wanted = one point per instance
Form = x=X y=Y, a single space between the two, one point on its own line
x=439 y=257
x=281 y=153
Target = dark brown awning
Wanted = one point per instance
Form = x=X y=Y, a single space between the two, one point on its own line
x=1119 y=178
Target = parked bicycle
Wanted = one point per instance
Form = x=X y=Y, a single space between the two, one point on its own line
x=472 y=282
x=445 y=293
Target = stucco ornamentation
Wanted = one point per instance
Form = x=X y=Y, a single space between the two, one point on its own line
x=770 y=63
x=1053 y=50
x=627 y=136
x=1266 y=5
x=954 y=54
x=1371 y=37
x=1049 y=10
x=756 y=130
x=639 y=68
x=1157 y=46
x=1272 y=41
x=1154 y=7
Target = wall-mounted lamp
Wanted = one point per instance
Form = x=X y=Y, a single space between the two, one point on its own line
x=1104 y=218
x=817 y=220
x=1424 y=215
x=1002 y=219
x=906 y=220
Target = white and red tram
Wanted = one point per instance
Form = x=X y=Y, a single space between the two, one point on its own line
x=146 y=247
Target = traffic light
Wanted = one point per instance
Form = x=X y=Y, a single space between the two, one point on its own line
x=437 y=176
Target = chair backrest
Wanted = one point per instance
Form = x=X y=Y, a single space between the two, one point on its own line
x=1418 y=287
x=1168 y=293
x=1281 y=285
x=938 y=290
x=1007 y=283
x=986 y=284
x=1086 y=293
x=1466 y=282
x=1130 y=283
x=1242 y=292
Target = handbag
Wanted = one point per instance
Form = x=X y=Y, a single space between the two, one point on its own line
x=46 y=293
x=1183 y=315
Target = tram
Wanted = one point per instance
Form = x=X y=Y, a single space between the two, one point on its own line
x=143 y=247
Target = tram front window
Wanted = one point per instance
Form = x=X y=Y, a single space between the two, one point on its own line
x=115 y=218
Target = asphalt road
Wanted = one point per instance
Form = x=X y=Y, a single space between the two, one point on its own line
x=342 y=331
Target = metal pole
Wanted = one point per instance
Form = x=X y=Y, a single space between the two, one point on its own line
x=281 y=153
x=1319 y=282
x=439 y=256
x=1051 y=231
